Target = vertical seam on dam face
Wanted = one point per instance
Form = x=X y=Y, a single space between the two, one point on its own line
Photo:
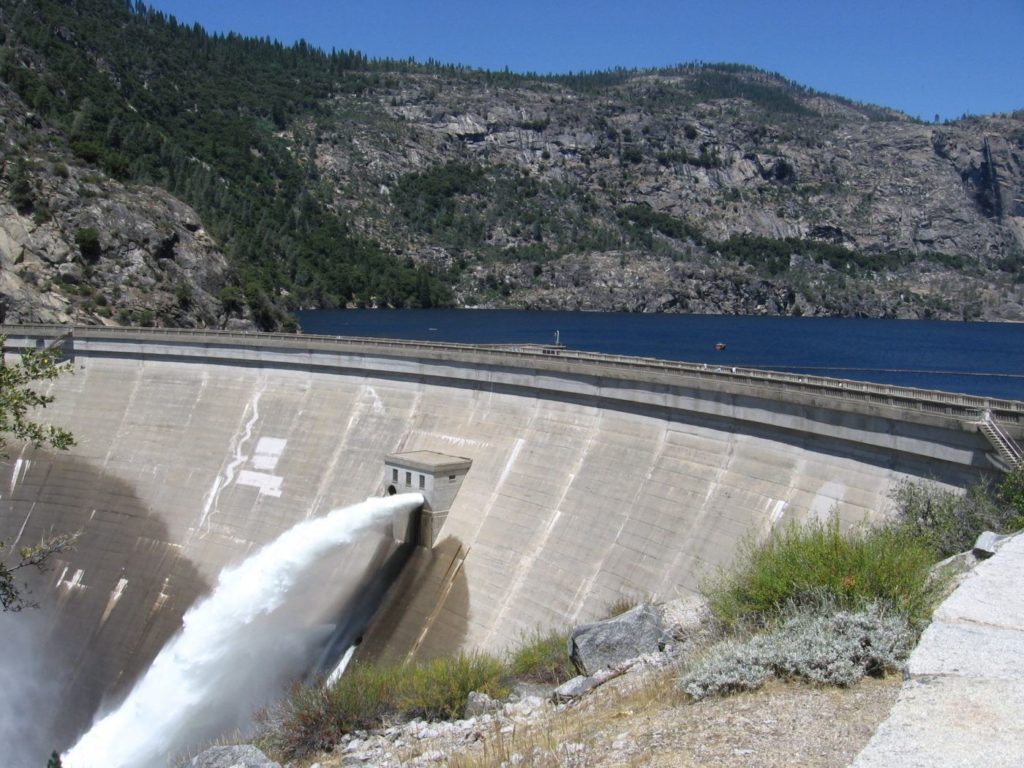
x=538 y=544
x=569 y=504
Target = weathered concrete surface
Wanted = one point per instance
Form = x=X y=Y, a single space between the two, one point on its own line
x=585 y=485
x=963 y=702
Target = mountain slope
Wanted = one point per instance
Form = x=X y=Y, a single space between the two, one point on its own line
x=327 y=180
x=665 y=191
x=146 y=100
x=78 y=246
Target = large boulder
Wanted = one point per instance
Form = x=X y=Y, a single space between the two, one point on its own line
x=606 y=643
x=235 y=756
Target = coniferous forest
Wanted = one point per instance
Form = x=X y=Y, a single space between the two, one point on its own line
x=149 y=100
x=328 y=179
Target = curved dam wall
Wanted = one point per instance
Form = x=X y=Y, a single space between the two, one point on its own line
x=592 y=478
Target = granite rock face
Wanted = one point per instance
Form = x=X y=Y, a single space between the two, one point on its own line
x=538 y=226
x=603 y=644
x=523 y=192
x=79 y=247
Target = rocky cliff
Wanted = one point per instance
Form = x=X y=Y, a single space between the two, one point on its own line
x=78 y=246
x=526 y=191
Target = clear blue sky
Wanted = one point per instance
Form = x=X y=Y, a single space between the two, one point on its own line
x=923 y=57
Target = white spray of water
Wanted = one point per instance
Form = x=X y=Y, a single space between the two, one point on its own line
x=232 y=651
x=340 y=668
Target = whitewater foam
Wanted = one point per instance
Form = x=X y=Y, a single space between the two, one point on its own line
x=236 y=648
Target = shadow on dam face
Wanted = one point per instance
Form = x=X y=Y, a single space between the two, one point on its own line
x=104 y=609
x=430 y=596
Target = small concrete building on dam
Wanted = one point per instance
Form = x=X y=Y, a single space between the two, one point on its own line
x=576 y=479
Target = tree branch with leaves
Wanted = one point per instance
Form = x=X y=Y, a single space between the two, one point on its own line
x=12 y=595
x=19 y=400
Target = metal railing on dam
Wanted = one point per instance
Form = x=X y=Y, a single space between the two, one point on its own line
x=845 y=394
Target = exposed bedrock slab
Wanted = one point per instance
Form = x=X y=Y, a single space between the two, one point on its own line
x=969 y=651
x=963 y=704
x=953 y=722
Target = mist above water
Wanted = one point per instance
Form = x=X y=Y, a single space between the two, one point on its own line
x=236 y=650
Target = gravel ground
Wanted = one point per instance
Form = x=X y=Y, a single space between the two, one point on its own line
x=783 y=724
x=642 y=720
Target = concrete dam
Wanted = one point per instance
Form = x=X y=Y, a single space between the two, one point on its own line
x=583 y=478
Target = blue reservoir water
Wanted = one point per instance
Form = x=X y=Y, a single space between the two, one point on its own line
x=974 y=358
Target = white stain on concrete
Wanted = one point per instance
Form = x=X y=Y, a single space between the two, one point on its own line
x=378 y=406
x=23 y=524
x=239 y=457
x=75 y=582
x=828 y=497
x=115 y=595
x=269 y=485
x=162 y=598
x=268 y=453
x=461 y=441
x=21 y=467
x=520 y=442
x=777 y=511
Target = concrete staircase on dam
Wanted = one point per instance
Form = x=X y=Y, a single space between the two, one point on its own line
x=1006 y=447
x=592 y=477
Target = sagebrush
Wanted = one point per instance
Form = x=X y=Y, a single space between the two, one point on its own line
x=836 y=648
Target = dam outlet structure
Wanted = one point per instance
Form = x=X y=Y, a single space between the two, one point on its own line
x=593 y=477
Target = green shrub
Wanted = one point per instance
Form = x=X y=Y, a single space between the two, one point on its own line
x=1011 y=494
x=298 y=726
x=232 y=298
x=949 y=521
x=800 y=564
x=90 y=151
x=22 y=193
x=88 y=242
x=363 y=697
x=314 y=719
x=542 y=659
x=438 y=689
x=183 y=295
x=815 y=644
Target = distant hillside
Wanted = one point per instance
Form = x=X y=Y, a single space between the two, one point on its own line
x=327 y=179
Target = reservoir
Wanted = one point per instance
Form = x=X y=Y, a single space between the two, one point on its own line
x=973 y=358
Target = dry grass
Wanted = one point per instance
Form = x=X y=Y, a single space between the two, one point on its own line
x=785 y=724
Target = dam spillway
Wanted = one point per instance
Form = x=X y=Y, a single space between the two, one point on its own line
x=593 y=477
